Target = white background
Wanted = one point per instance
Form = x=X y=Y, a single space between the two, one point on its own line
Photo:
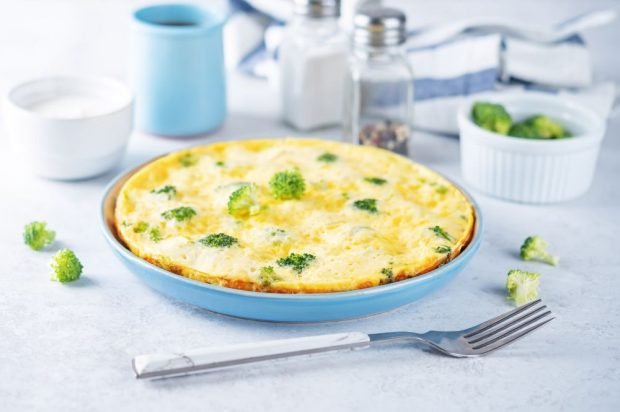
x=69 y=347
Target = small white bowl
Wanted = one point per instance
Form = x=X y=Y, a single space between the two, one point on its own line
x=531 y=170
x=69 y=127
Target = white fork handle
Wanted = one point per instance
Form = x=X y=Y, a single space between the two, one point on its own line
x=197 y=360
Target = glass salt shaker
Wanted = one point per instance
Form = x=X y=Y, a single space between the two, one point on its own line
x=313 y=63
x=378 y=103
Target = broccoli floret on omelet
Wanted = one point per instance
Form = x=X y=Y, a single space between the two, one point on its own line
x=388 y=273
x=268 y=276
x=140 y=227
x=327 y=158
x=179 y=214
x=297 y=261
x=287 y=185
x=219 y=240
x=188 y=159
x=243 y=202
x=155 y=234
x=168 y=190
x=441 y=189
x=368 y=205
x=440 y=232
x=379 y=181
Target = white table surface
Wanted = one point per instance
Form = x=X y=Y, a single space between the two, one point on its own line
x=68 y=347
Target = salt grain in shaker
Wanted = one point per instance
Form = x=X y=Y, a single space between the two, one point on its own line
x=313 y=65
x=378 y=101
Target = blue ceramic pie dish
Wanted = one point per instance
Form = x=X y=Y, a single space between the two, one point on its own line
x=282 y=307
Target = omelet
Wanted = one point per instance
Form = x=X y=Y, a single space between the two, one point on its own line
x=292 y=216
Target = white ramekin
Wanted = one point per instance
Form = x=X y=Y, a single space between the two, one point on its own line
x=529 y=170
x=69 y=148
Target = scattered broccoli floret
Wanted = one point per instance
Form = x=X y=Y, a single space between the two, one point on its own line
x=327 y=158
x=388 y=273
x=545 y=128
x=535 y=248
x=369 y=205
x=188 y=159
x=220 y=163
x=375 y=180
x=442 y=190
x=66 y=266
x=38 y=236
x=243 y=202
x=440 y=232
x=155 y=234
x=167 y=190
x=522 y=130
x=288 y=184
x=140 y=227
x=538 y=127
x=522 y=286
x=218 y=240
x=179 y=214
x=491 y=116
x=443 y=249
x=268 y=276
x=296 y=261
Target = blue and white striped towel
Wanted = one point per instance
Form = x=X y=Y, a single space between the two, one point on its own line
x=446 y=73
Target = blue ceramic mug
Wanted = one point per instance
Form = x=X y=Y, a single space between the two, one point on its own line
x=178 y=69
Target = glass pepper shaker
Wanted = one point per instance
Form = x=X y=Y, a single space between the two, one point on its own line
x=378 y=100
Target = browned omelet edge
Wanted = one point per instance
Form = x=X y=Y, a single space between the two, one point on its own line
x=241 y=284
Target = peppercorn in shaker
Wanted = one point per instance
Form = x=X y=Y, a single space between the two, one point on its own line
x=378 y=103
x=313 y=65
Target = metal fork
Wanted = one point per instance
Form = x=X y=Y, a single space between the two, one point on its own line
x=475 y=341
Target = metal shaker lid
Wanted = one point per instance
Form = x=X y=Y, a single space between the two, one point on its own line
x=379 y=26
x=317 y=8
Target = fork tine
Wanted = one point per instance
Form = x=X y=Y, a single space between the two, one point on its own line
x=492 y=322
x=512 y=331
x=504 y=342
x=480 y=336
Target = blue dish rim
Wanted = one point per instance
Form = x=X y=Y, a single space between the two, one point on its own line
x=470 y=249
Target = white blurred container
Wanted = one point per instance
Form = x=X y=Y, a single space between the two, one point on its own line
x=531 y=170
x=69 y=127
